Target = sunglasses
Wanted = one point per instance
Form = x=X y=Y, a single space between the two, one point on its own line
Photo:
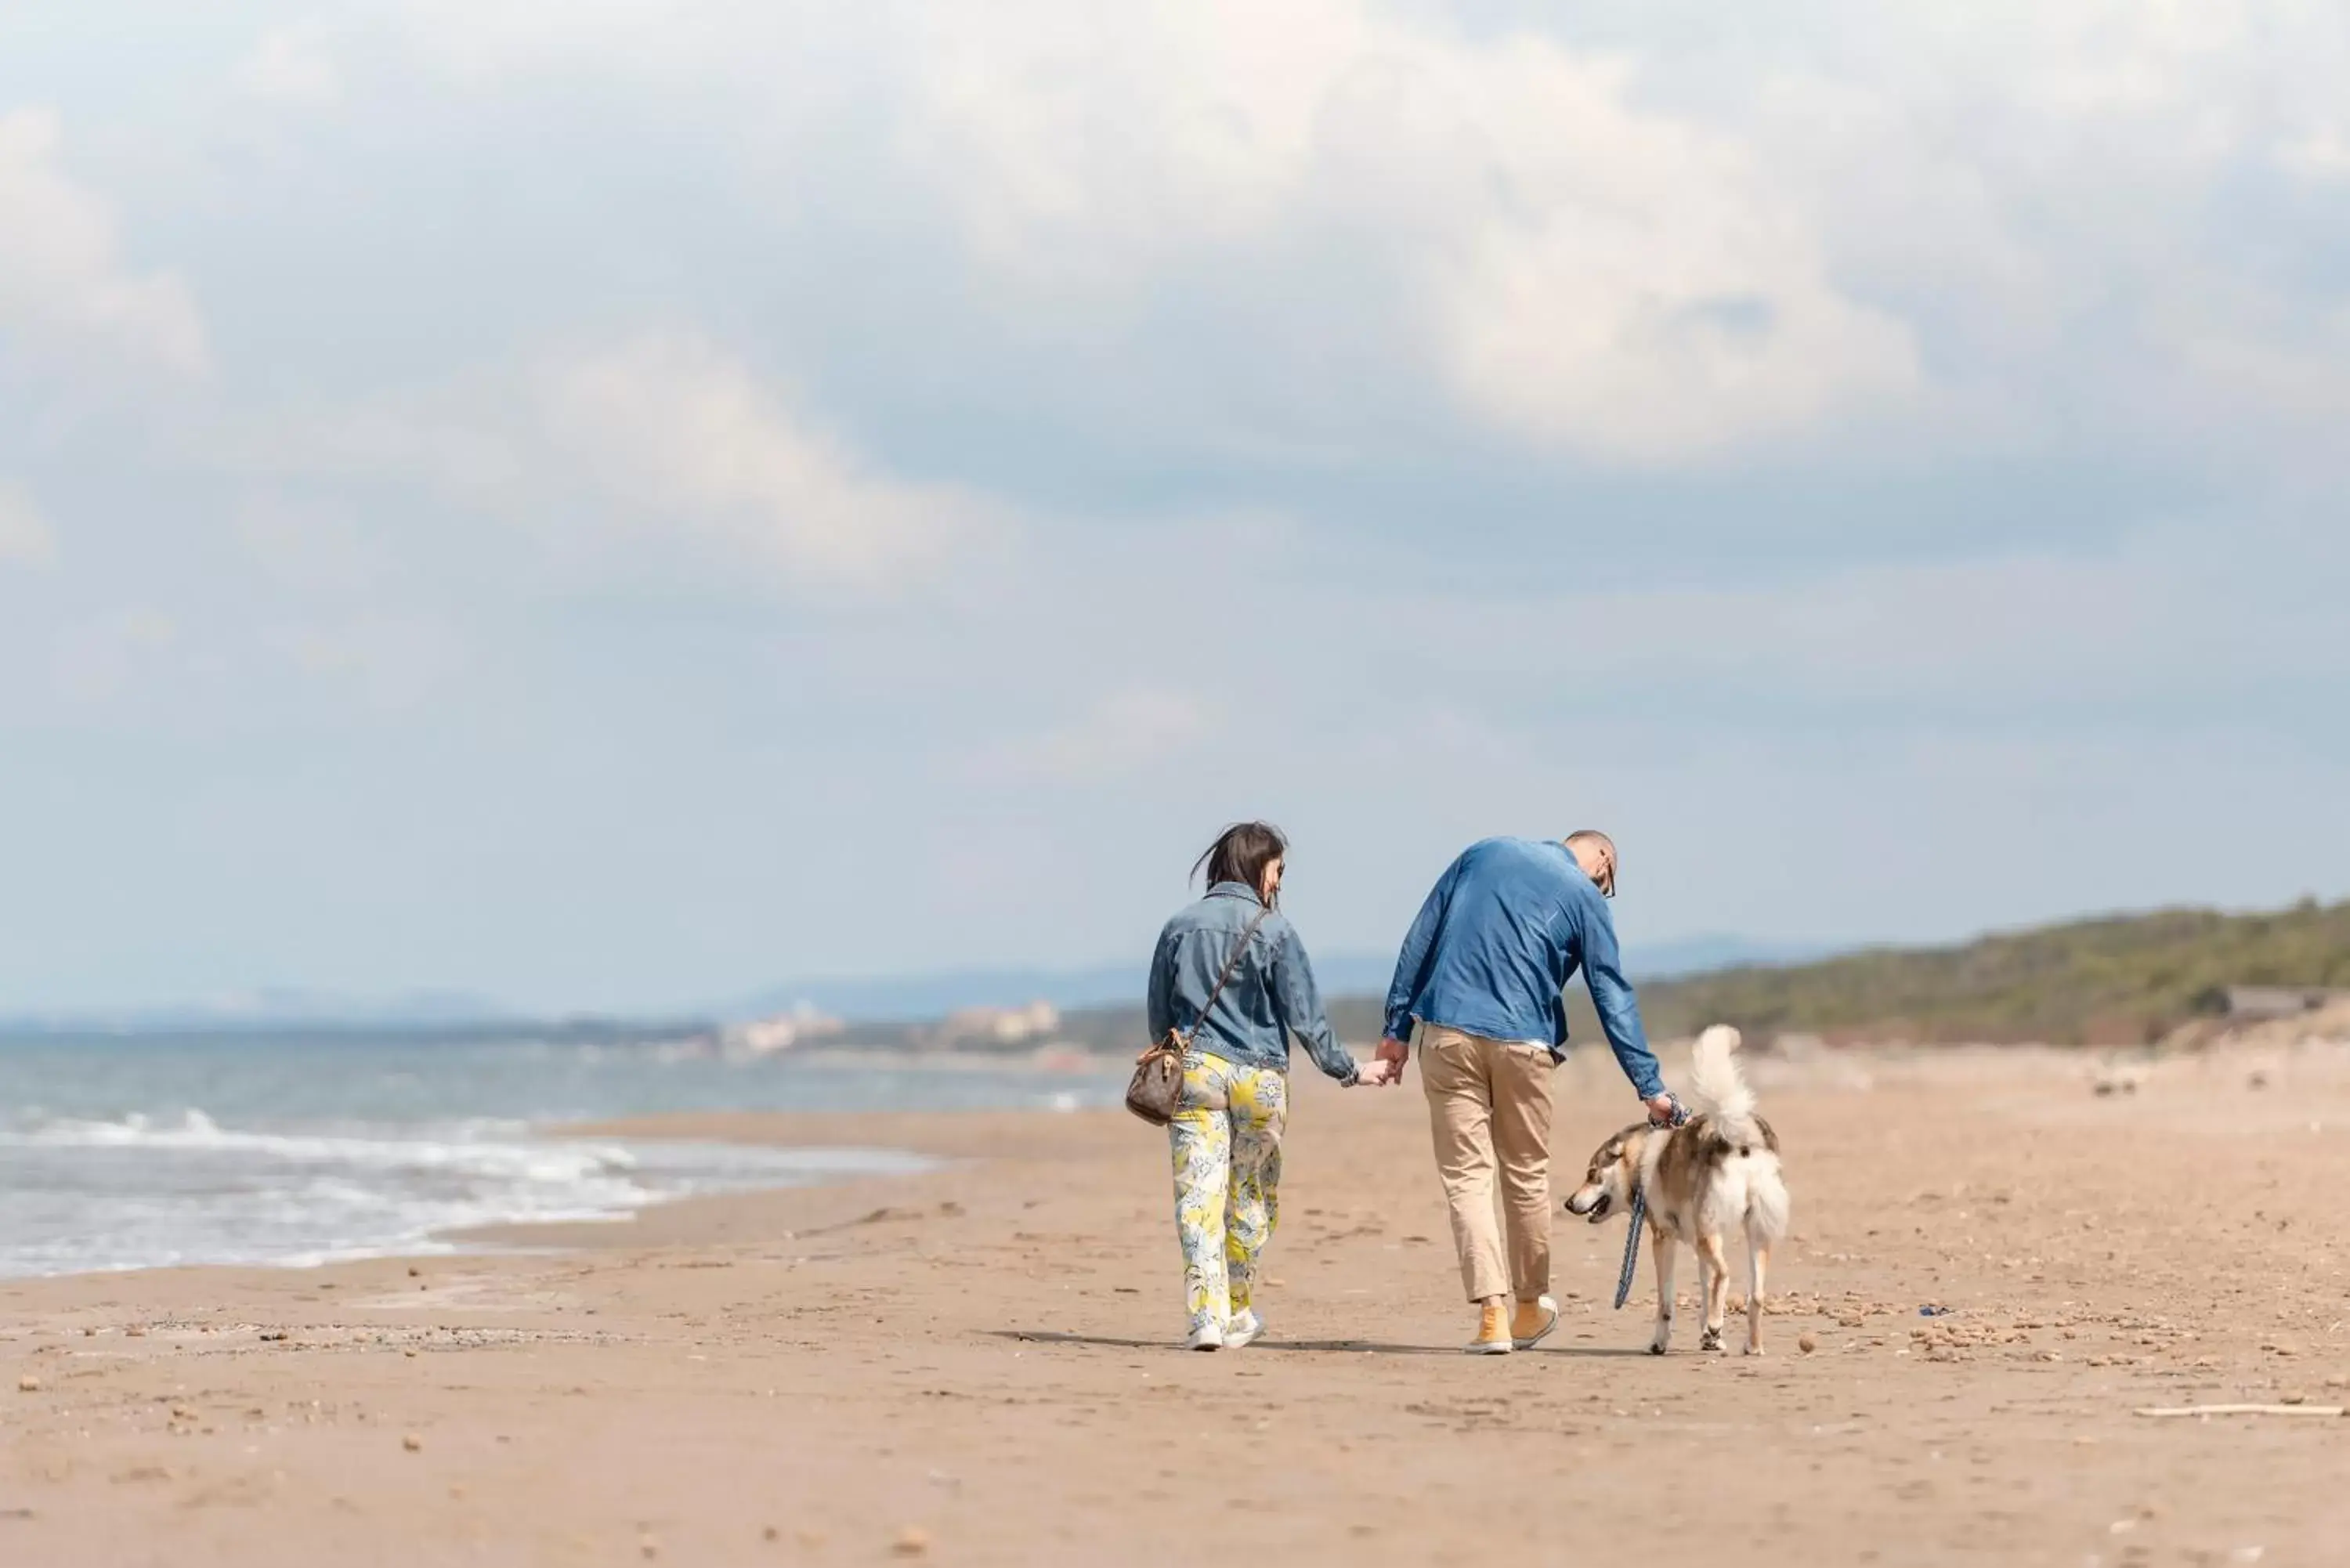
x=1607 y=878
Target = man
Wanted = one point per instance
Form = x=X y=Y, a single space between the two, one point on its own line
x=1483 y=973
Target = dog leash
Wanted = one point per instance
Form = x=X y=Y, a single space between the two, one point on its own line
x=1640 y=1216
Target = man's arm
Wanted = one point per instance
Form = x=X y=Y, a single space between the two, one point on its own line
x=1300 y=1004
x=1620 y=1009
x=1419 y=950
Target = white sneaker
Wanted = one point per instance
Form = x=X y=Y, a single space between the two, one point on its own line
x=1244 y=1330
x=1207 y=1336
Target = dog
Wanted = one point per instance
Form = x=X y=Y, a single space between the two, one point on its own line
x=1716 y=1172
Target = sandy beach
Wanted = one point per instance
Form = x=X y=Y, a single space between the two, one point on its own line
x=978 y=1364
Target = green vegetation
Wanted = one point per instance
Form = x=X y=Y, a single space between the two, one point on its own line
x=2117 y=980
x=2112 y=980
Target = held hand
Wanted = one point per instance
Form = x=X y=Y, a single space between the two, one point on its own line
x=1394 y=1054
x=1375 y=1075
x=1663 y=1109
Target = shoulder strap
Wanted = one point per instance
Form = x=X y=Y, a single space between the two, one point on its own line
x=1231 y=964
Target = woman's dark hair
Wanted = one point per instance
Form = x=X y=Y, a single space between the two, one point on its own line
x=1241 y=853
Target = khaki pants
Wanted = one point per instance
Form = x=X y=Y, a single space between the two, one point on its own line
x=1484 y=1097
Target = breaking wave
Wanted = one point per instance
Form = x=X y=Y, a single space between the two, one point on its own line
x=80 y=1194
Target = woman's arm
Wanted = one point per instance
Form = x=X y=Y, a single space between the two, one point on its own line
x=1160 y=1007
x=1299 y=1003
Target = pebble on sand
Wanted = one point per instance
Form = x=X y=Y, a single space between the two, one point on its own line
x=912 y=1541
x=412 y=1443
x=28 y=1384
x=1807 y=1342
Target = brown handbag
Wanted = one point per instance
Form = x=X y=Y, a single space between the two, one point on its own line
x=1156 y=1090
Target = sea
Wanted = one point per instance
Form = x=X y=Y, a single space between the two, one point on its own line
x=278 y=1149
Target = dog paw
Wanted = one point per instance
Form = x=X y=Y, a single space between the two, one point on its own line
x=1709 y=1340
x=1657 y=1347
x=1754 y=1350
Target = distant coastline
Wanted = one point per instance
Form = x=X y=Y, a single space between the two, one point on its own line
x=2115 y=979
x=617 y=1032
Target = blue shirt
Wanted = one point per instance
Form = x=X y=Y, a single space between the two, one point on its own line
x=1504 y=931
x=1270 y=996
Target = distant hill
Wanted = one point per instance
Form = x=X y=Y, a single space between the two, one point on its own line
x=2114 y=979
x=2111 y=980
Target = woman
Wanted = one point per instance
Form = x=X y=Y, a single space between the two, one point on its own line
x=1232 y=977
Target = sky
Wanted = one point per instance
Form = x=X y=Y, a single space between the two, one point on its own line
x=627 y=512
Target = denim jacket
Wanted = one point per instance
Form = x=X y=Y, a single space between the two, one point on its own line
x=1270 y=996
x=1502 y=932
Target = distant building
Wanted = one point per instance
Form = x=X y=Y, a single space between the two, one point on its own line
x=1001 y=1026
x=2254 y=1004
x=773 y=1035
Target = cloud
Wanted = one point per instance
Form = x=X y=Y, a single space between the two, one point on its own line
x=1542 y=254
x=99 y=659
x=315 y=549
x=1584 y=273
x=682 y=436
x=1640 y=289
x=656 y=451
x=26 y=539
x=1125 y=733
x=485 y=41
x=394 y=662
x=2105 y=225
x=63 y=281
x=292 y=65
x=1652 y=238
x=2025 y=635
x=2320 y=154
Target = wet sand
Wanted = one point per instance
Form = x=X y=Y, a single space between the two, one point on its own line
x=979 y=1365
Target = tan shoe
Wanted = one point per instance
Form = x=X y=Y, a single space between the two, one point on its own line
x=1492 y=1330
x=1534 y=1323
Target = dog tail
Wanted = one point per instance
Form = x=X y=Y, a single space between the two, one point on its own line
x=1766 y=1206
x=1719 y=1088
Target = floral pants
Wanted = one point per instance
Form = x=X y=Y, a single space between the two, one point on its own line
x=1227 y=1147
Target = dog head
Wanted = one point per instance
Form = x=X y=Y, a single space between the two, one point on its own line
x=1615 y=1172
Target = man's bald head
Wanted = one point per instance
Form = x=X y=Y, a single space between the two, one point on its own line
x=1596 y=853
